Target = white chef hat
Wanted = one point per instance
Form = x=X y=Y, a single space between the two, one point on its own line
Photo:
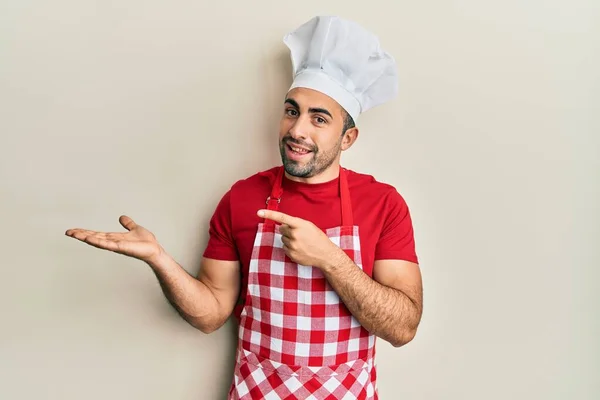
x=344 y=61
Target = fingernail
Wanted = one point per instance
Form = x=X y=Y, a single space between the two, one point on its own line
x=261 y=213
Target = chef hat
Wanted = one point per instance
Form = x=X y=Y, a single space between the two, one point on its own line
x=344 y=61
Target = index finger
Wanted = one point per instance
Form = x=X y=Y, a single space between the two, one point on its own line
x=279 y=217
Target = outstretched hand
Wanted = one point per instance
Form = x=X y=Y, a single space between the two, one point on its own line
x=303 y=242
x=137 y=242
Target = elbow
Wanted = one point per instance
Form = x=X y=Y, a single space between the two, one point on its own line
x=403 y=338
x=204 y=326
x=208 y=327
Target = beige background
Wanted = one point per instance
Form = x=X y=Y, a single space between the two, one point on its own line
x=154 y=109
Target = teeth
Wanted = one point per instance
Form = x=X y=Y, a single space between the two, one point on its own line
x=298 y=150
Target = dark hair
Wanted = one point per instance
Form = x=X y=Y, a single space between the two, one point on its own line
x=348 y=122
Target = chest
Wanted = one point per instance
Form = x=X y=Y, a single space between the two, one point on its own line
x=325 y=213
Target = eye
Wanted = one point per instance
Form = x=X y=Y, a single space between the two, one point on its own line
x=291 y=112
x=320 y=120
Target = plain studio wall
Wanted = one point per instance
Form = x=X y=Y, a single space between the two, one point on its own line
x=153 y=109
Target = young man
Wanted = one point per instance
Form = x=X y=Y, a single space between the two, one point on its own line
x=314 y=260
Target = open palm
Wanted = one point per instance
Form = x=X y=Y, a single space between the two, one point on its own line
x=137 y=242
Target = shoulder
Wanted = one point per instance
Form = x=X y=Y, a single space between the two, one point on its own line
x=256 y=181
x=245 y=189
x=252 y=191
x=247 y=195
x=367 y=187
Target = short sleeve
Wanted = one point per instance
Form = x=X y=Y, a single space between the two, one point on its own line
x=221 y=245
x=396 y=241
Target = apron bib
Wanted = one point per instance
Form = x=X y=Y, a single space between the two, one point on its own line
x=297 y=339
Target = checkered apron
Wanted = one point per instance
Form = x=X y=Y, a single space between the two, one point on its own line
x=297 y=340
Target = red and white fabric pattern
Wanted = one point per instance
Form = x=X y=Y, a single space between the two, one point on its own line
x=257 y=378
x=296 y=337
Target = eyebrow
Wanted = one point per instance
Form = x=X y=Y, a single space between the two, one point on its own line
x=311 y=110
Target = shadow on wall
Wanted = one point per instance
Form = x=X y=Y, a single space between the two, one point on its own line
x=232 y=332
x=276 y=78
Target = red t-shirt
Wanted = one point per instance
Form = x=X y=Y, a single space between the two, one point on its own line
x=382 y=215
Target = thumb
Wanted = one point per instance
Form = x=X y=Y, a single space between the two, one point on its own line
x=127 y=222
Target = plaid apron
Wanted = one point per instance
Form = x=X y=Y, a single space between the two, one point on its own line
x=297 y=340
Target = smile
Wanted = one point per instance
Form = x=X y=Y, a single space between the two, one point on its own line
x=296 y=153
x=298 y=150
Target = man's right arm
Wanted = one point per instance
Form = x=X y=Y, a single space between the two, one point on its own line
x=205 y=302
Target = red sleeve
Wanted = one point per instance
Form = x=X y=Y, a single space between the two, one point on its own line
x=396 y=241
x=221 y=245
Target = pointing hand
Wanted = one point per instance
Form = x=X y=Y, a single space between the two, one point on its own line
x=303 y=242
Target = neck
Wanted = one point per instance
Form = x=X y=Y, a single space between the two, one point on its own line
x=329 y=174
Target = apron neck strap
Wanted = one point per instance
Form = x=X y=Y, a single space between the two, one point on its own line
x=275 y=198
x=347 y=217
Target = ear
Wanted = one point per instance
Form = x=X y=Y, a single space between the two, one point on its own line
x=349 y=138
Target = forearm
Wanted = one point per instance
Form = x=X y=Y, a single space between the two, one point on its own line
x=192 y=299
x=382 y=310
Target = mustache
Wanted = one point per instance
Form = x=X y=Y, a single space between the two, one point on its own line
x=289 y=139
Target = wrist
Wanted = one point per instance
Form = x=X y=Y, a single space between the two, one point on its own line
x=337 y=259
x=159 y=259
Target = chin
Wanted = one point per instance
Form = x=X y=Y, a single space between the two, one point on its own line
x=299 y=171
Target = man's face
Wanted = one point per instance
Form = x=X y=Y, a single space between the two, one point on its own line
x=310 y=134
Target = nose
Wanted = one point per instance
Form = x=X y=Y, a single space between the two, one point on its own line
x=299 y=130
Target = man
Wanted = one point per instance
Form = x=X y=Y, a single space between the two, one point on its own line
x=313 y=259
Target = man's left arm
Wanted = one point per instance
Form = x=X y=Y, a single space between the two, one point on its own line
x=388 y=305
